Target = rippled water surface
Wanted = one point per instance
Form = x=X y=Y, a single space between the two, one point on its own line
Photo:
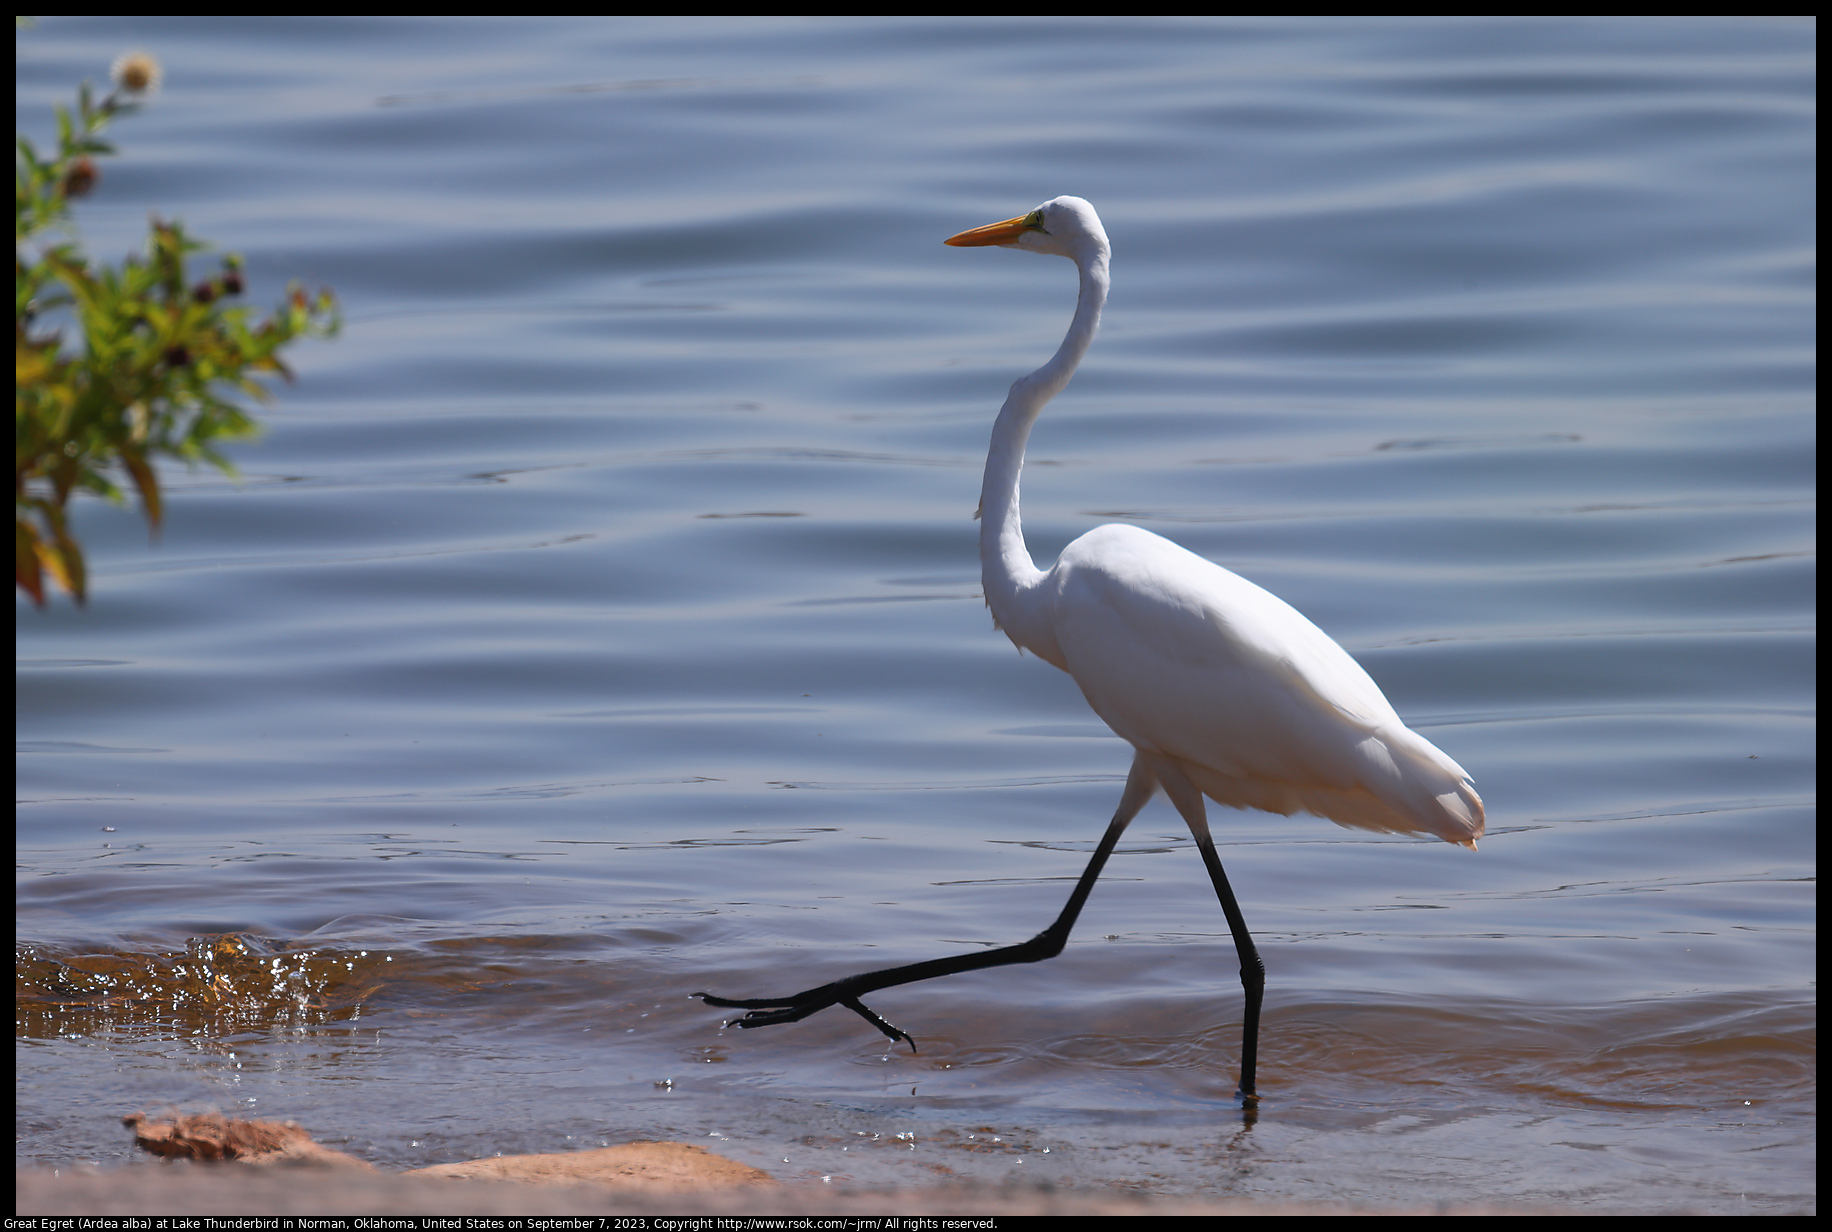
x=598 y=621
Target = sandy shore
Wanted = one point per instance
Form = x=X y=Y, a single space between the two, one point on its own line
x=189 y=1190
x=221 y=1166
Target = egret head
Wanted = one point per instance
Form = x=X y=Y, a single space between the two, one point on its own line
x=1063 y=227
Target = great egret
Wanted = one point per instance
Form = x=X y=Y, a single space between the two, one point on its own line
x=1223 y=689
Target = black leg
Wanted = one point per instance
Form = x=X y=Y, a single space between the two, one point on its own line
x=1141 y=784
x=1188 y=801
x=768 y=1011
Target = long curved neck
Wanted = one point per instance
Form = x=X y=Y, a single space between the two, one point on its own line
x=1006 y=569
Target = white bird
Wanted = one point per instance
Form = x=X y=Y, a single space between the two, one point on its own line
x=1223 y=689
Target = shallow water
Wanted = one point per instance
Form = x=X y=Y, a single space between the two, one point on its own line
x=598 y=621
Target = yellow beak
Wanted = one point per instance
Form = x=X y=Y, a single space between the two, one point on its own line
x=1006 y=232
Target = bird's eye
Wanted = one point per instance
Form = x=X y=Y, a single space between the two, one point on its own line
x=1035 y=222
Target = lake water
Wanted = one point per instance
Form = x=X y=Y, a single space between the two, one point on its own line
x=598 y=621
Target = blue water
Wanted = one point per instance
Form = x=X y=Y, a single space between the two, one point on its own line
x=598 y=620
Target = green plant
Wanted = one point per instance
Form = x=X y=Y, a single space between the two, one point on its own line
x=153 y=364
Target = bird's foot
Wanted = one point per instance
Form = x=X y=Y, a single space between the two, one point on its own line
x=768 y=1011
